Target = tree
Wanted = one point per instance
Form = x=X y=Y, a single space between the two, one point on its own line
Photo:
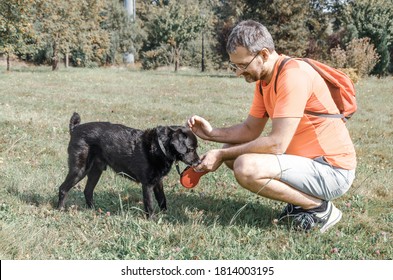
x=126 y=36
x=170 y=27
x=200 y=52
x=93 y=40
x=58 y=22
x=318 y=23
x=75 y=26
x=286 y=21
x=16 y=30
x=227 y=13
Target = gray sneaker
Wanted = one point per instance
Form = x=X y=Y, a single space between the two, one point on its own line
x=309 y=219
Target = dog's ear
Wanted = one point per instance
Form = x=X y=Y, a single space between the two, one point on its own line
x=163 y=133
x=178 y=139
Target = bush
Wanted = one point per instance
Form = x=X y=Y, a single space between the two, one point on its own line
x=360 y=55
x=338 y=57
x=157 y=57
x=351 y=73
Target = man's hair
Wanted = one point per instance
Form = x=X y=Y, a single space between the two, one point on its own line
x=251 y=35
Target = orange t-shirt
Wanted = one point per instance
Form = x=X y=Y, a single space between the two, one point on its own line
x=300 y=88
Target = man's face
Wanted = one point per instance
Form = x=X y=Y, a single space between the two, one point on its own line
x=246 y=64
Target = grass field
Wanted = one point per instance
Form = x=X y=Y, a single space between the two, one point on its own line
x=216 y=220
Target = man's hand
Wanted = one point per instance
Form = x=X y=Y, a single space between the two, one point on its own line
x=210 y=161
x=200 y=127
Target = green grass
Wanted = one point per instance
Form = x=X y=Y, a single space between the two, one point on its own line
x=216 y=220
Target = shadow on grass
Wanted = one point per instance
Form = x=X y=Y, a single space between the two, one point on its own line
x=183 y=207
x=189 y=207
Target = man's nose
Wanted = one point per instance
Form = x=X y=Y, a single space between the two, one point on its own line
x=239 y=72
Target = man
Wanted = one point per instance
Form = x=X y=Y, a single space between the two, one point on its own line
x=305 y=160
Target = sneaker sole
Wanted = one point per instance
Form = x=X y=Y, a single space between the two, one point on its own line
x=335 y=213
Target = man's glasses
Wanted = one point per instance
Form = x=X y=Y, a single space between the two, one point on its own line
x=239 y=67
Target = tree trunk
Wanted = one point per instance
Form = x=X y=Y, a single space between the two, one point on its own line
x=177 y=59
x=8 y=61
x=66 y=60
x=203 y=53
x=55 y=58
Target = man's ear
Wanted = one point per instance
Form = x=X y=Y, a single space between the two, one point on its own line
x=264 y=53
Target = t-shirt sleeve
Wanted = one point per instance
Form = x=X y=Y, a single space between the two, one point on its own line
x=294 y=88
x=258 y=109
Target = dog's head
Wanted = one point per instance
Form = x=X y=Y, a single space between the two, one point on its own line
x=183 y=145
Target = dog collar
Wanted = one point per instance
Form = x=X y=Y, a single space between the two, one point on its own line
x=162 y=147
x=178 y=168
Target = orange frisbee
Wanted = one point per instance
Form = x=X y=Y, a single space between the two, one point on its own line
x=189 y=178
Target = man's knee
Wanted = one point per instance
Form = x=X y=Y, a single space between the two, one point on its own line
x=251 y=167
x=244 y=169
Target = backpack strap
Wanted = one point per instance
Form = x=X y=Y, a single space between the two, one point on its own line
x=285 y=60
x=334 y=116
x=281 y=66
x=327 y=81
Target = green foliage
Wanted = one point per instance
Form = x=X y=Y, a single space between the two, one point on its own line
x=93 y=32
x=372 y=19
x=159 y=56
x=58 y=22
x=227 y=13
x=317 y=21
x=93 y=40
x=286 y=20
x=171 y=25
x=192 y=54
x=124 y=33
x=98 y=32
x=384 y=49
x=299 y=28
x=16 y=30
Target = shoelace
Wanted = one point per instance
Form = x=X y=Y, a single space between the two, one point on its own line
x=288 y=210
x=304 y=221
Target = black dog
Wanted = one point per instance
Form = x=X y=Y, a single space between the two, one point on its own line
x=143 y=156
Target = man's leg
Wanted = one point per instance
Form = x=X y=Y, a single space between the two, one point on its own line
x=295 y=180
x=260 y=174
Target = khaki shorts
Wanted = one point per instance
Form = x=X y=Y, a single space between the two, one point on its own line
x=315 y=177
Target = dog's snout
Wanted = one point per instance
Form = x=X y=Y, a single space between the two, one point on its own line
x=196 y=162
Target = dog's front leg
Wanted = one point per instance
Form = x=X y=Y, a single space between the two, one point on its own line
x=148 y=199
x=160 y=195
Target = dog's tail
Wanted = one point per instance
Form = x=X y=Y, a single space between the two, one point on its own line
x=74 y=121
